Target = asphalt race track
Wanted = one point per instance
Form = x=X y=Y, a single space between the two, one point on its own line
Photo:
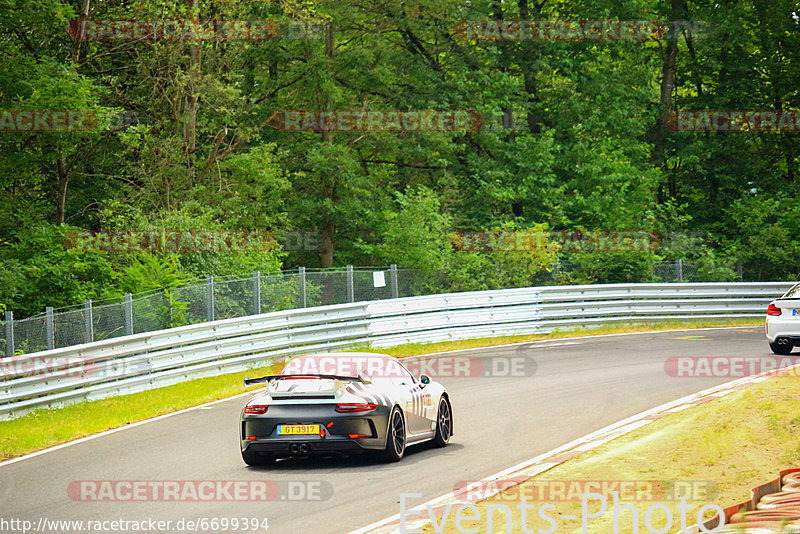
x=579 y=386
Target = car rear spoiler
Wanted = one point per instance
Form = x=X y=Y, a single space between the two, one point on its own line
x=269 y=378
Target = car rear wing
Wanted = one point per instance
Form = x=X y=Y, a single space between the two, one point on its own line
x=270 y=378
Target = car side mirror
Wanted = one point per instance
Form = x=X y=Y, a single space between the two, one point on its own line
x=424 y=379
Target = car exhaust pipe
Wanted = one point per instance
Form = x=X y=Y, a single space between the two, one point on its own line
x=782 y=341
x=299 y=448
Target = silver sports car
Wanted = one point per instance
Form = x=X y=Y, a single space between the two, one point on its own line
x=346 y=402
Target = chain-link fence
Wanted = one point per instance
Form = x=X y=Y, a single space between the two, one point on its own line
x=216 y=298
x=676 y=271
x=564 y=273
x=228 y=297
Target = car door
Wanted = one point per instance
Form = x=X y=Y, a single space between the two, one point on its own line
x=418 y=412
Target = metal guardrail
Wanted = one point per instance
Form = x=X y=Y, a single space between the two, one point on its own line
x=154 y=359
x=240 y=295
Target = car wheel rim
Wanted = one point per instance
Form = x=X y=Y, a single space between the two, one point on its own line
x=444 y=420
x=398 y=433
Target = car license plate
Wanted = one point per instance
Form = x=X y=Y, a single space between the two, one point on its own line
x=297 y=430
x=795 y=312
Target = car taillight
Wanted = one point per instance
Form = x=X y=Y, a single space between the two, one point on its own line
x=355 y=407
x=773 y=310
x=256 y=409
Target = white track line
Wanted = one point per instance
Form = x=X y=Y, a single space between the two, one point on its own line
x=158 y=418
x=529 y=468
x=120 y=429
x=556 y=340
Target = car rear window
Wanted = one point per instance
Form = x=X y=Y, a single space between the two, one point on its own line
x=793 y=293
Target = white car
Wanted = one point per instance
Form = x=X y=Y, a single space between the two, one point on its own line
x=783 y=322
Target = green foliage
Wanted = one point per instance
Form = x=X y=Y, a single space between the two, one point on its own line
x=42 y=269
x=153 y=271
x=201 y=260
x=610 y=268
x=768 y=244
x=587 y=148
x=710 y=269
x=420 y=236
x=173 y=313
x=417 y=235
x=527 y=255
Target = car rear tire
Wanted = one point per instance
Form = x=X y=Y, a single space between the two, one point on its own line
x=781 y=349
x=257 y=458
x=395 y=437
x=444 y=424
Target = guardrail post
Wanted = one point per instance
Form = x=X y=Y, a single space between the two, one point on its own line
x=350 y=288
x=679 y=270
x=257 y=292
x=88 y=320
x=128 y=314
x=50 y=330
x=301 y=278
x=740 y=270
x=9 y=333
x=209 y=298
x=393 y=280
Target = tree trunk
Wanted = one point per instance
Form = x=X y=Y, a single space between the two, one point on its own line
x=61 y=164
x=76 y=47
x=528 y=72
x=61 y=193
x=678 y=9
x=190 y=126
x=328 y=182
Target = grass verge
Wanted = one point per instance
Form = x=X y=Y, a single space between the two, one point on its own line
x=46 y=428
x=723 y=448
